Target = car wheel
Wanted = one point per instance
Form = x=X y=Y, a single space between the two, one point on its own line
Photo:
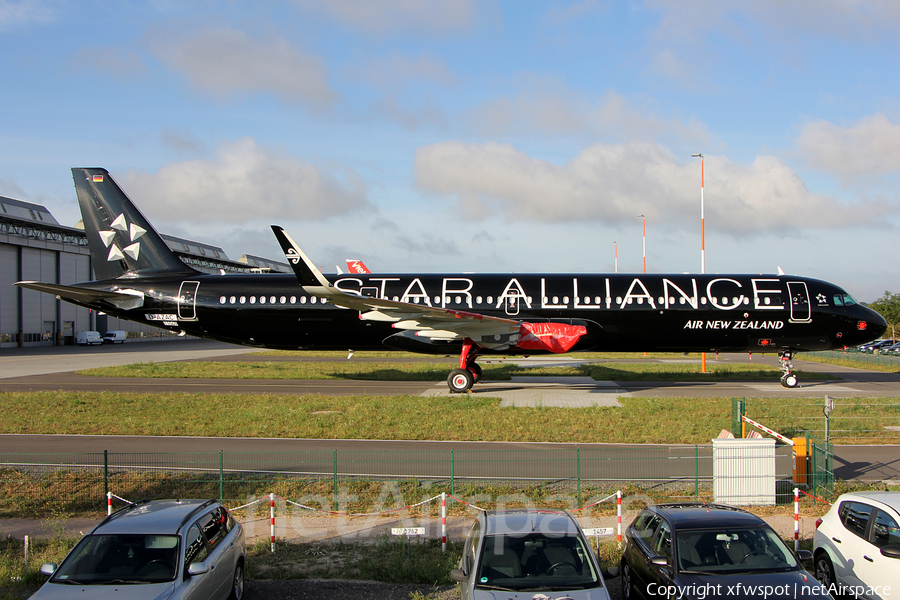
x=237 y=584
x=824 y=570
x=626 y=581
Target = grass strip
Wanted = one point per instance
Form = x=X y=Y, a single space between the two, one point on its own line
x=465 y=417
x=429 y=371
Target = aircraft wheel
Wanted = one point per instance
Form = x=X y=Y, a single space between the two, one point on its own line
x=475 y=368
x=789 y=380
x=460 y=380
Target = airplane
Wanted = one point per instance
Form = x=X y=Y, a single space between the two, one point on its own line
x=140 y=279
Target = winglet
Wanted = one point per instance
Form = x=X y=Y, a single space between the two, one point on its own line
x=307 y=273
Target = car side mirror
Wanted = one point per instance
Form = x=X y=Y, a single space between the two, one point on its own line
x=804 y=555
x=458 y=575
x=660 y=561
x=198 y=568
x=612 y=572
x=891 y=551
x=48 y=568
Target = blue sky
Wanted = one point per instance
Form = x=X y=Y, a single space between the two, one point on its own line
x=475 y=135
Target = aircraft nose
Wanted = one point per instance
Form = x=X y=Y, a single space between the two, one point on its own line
x=872 y=323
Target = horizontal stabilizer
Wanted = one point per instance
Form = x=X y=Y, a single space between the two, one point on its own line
x=123 y=299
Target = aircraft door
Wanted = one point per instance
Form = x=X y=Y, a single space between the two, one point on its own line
x=800 y=308
x=187 y=301
x=511 y=303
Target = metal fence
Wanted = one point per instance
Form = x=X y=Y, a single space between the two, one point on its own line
x=39 y=482
x=852 y=354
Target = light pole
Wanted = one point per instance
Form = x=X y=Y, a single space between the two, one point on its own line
x=702 y=242
x=644 y=222
x=702 y=218
x=616 y=244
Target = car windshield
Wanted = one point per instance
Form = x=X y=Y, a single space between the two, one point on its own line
x=536 y=561
x=120 y=559
x=733 y=549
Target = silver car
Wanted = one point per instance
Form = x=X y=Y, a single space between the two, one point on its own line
x=516 y=554
x=164 y=549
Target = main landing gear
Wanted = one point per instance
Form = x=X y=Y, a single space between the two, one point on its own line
x=469 y=372
x=788 y=379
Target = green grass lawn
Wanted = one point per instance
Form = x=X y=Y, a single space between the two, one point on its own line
x=464 y=417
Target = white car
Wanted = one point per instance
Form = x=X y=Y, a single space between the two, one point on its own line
x=857 y=545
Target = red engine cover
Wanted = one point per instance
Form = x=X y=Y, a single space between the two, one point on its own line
x=555 y=337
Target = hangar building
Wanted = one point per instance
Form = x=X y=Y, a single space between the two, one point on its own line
x=35 y=247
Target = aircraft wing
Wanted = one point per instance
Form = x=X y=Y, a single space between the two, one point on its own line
x=428 y=321
x=124 y=299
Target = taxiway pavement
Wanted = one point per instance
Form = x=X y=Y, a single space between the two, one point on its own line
x=50 y=368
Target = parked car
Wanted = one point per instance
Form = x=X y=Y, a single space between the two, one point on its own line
x=523 y=552
x=857 y=545
x=115 y=337
x=875 y=347
x=892 y=350
x=700 y=551
x=88 y=338
x=171 y=549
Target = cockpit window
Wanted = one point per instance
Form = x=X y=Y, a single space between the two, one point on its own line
x=844 y=300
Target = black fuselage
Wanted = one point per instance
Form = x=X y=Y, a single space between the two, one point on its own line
x=621 y=312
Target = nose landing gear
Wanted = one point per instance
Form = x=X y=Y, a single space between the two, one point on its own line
x=788 y=378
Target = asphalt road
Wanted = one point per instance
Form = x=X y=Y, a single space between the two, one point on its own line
x=45 y=368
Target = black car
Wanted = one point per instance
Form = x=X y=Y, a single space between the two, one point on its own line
x=706 y=551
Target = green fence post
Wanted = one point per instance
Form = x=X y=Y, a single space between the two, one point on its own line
x=578 y=470
x=452 y=473
x=221 y=478
x=738 y=408
x=697 y=472
x=106 y=474
x=335 y=481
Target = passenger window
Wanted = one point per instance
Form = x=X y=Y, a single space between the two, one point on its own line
x=645 y=526
x=214 y=526
x=855 y=517
x=885 y=530
x=194 y=547
x=662 y=541
x=471 y=546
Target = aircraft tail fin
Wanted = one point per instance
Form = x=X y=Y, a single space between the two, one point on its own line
x=309 y=276
x=357 y=266
x=121 y=240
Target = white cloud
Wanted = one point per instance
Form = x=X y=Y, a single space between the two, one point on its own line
x=612 y=183
x=383 y=16
x=550 y=107
x=247 y=182
x=869 y=148
x=17 y=14
x=228 y=62
x=108 y=60
x=397 y=71
x=842 y=18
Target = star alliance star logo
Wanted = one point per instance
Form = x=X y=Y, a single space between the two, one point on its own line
x=109 y=237
x=822 y=299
